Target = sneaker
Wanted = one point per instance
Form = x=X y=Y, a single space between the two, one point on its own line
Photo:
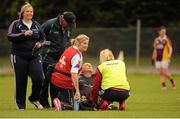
x=45 y=104
x=122 y=105
x=57 y=104
x=66 y=106
x=37 y=104
x=21 y=108
x=174 y=85
x=112 y=107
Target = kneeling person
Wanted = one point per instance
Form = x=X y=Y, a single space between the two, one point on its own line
x=111 y=81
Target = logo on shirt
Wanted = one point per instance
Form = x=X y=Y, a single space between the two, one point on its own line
x=62 y=61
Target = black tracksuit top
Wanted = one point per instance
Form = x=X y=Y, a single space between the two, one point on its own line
x=23 y=45
x=57 y=38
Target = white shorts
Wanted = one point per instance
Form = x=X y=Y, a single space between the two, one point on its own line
x=162 y=64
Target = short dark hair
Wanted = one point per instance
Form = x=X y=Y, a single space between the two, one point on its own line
x=69 y=17
x=161 y=27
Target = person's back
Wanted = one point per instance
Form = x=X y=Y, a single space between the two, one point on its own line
x=110 y=82
x=54 y=44
x=114 y=75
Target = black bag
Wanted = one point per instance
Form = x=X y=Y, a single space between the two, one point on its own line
x=87 y=105
x=50 y=70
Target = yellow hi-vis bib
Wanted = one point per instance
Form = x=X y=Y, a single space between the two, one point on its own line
x=113 y=75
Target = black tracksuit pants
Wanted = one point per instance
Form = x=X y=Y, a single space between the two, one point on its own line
x=24 y=67
x=45 y=88
x=66 y=96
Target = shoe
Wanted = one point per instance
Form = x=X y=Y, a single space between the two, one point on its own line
x=66 y=106
x=122 y=105
x=37 y=104
x=21 y=108
x=163 y=88
x=112 y=107
x=174 y=85
x=45 y=104
x=57 y=104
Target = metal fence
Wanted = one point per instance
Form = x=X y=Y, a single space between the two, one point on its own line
x=115 y=39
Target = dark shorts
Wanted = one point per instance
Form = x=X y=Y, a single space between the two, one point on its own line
x=115 y=95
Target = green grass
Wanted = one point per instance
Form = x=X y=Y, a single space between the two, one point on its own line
x=130 y=61
x=146 y=100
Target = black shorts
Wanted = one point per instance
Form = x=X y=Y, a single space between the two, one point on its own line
x=115 y=95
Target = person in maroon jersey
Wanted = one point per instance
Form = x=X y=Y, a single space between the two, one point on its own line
x=162 y=53
x=66 y=71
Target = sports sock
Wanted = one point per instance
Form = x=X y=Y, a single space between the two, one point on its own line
x=163 y=84
x=172 y=81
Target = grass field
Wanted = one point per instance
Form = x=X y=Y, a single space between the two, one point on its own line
x=146 y=100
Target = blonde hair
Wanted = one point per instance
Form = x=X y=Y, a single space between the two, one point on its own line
x=23 y=8
x=80 y=38
x=106 y=55
x=72 y=41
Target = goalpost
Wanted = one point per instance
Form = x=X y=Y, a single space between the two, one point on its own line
x=138 y=32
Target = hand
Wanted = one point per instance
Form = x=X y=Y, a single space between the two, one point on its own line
x=169 y=56
x=77 y=95
x=28 y=33
x=37 y=45
x=152 y=62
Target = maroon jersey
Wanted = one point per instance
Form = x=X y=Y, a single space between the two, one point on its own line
x=162 y=46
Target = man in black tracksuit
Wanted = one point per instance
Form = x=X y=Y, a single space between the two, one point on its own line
x=57 y=31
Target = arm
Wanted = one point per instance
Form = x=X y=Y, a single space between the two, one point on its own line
x=154 y=51
x=46 y=27
x=170 y=48
x=75 y=63
x=12 y=32
x=96 y=86
x=41 y=38
x=75 y=80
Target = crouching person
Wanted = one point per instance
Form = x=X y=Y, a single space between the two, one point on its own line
x=66 y=74
x=110 y=82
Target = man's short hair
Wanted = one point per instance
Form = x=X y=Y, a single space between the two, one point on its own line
x=70 y=18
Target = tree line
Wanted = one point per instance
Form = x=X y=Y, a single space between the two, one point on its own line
x=99 y=13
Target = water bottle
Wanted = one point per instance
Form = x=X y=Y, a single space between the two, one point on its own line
x=76 y=104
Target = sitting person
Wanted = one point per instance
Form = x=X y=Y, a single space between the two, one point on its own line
x=86 y=80
x=110 y=81
x=85 y=86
